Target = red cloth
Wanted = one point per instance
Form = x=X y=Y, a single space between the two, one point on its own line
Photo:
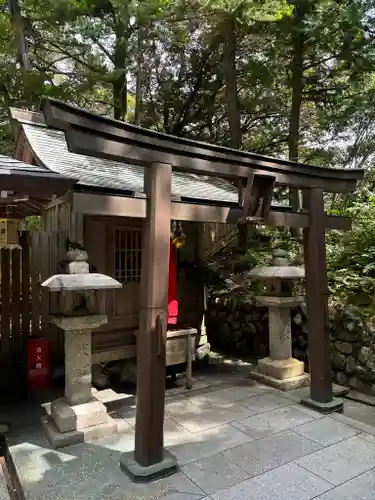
x=172 y=287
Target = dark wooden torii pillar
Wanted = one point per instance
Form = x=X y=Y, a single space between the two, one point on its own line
x=321 y=393
x=150 y=460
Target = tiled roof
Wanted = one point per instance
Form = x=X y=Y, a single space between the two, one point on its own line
x=10 y=166
x=50 y=148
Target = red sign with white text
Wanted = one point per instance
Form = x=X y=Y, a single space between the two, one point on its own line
x=38 y=364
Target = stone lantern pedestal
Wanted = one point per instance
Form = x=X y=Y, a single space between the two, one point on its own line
x=280 y=369
x=78 y=416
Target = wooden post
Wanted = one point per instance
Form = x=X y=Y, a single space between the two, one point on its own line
x=321 y=394
x=150 y=460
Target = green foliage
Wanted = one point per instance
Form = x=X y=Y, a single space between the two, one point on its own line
x=252 y=10
x=33 y=223
x=160 y=63
x=351 y=255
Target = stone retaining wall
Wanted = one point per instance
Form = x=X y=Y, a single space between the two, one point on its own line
x=241 y=328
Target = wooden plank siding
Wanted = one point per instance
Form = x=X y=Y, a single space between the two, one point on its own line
x=25 y=307
x=60 y=218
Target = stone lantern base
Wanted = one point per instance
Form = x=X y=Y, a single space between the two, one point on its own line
x=67 y=425
x=78 y=416
x=280 y=369
x=285 y=374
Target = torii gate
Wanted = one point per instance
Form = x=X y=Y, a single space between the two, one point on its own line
x=256 y=176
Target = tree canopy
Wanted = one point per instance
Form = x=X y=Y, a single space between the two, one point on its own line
x=294 y=78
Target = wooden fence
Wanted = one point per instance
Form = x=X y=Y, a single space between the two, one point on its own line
x=25 y=306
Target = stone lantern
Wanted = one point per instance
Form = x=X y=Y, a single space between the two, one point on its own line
x=280 y=369
x=78 y=416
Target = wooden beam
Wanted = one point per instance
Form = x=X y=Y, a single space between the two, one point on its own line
x=246 y=196
x=81 y=141
x=301 y=220
x=109 y=205
x=118 y=206
x=36 y=184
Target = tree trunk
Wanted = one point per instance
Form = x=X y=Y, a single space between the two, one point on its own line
x=233 y=108
x=139 y=80
x=298 y=42
x=18 y=24
x=119 y=85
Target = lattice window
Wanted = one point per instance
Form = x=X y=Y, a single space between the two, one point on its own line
x=128 y=254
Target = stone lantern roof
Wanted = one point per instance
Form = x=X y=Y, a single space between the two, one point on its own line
x=279 y=269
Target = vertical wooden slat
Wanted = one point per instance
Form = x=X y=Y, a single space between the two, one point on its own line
x=44 y=274
x=25 y=243
x=53 y=268
x=35 y=286
x=60 y=256
x=53 y=298
x=16 y=301
x=5 y=304
x=68 y=218
x=73 y=226
x=55 y=222
x=109 y=267
x=79 y=228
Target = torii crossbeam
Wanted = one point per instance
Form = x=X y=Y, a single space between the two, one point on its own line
x=256 y=176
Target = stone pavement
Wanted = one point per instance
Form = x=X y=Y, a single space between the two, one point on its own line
x=234 y=440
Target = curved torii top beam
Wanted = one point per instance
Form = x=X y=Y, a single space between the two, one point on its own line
x=95 y=135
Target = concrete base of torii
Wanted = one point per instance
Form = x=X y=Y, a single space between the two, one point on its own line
x=78 y=416
x=280 y=369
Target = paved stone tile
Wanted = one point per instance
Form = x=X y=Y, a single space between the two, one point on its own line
x=121 y=442
x=128 y=414
x=181 y=389
x=175 y=487
x=312 y=413
x=271 y=422
x=90 y=471
x=33 y=462
x=266 y=402
x=189 y=447
x=214 y=473
x=326 y=431
x=289 y=482
x=197 y=419
x=265 y=454
x=176 y=404
x=360 y=488
x=367 y=437
x=341 y=461
x=114 y=485
x=359 y=411
x=227 y=395
x=181 y=407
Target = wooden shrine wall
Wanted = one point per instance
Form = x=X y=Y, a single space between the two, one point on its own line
x=24 y=305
